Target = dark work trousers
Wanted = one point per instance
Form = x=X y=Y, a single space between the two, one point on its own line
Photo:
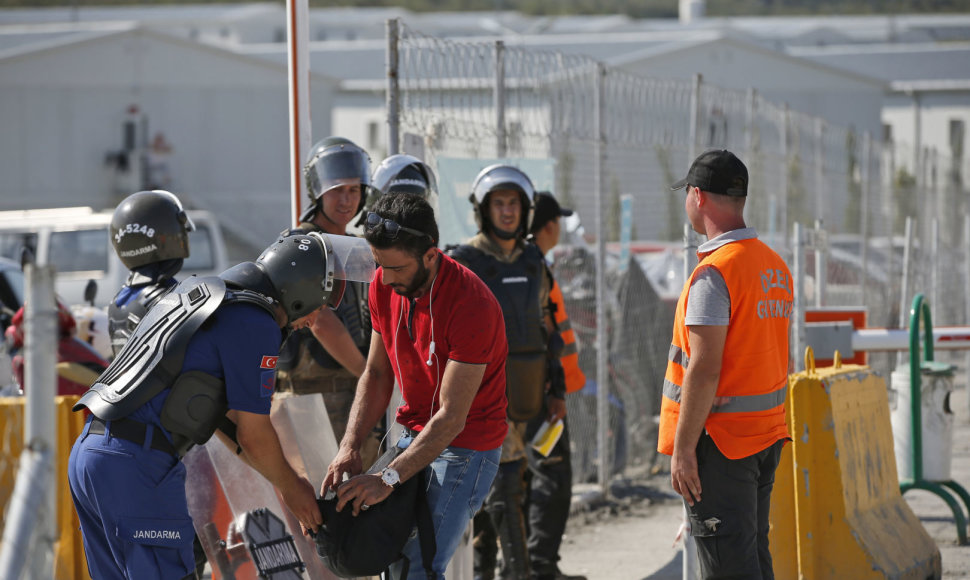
x=730 y=523
x=549 y=488
x=501 y=519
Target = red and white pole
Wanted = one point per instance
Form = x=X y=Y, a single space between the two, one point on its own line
x=883 y=339
x=298 y=68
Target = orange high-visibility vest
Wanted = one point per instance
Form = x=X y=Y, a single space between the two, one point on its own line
x=575 y=379
x=754 y=370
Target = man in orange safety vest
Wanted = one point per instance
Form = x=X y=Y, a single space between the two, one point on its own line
x=722 y=416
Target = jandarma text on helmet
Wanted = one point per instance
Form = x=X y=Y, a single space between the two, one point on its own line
x=139 y=251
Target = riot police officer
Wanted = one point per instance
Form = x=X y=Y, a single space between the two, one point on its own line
x=503 y=200
x=150 y=233
x=202 y=359
x=328 y=355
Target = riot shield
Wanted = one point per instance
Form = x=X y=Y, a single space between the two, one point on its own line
x=225 y=495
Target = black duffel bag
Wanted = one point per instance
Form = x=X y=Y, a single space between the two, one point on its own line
x=366 y=545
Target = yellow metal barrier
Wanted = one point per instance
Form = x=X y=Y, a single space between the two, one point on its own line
x=782 y=536
x=69 y=560
x=850 y=519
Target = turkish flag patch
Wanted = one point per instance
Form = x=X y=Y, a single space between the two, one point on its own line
x=268 y=362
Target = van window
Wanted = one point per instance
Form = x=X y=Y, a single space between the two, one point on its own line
x=79 y=250
x=11 y=286
x=200 y=250
x=12 y=243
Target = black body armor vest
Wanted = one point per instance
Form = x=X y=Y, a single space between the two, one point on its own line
x=516 y=286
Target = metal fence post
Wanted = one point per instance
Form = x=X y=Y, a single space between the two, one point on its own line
x=966 y=284
x=935 y=265
x=783 y=189
x=889 y=214
x=864 y=222
x=904 y=284
x=821 y=264
x=690 y=251
x=695 y=113
x=500 y=145
x=40 y=339
x=917 y=136
x=819 y=169
x=393 y=88
x=27 y=537
x=40 y=376
x=924 y=210
x=749 y=122
x=602 y=340
x=798 y=331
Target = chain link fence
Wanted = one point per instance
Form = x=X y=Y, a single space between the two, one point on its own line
x=611 y=133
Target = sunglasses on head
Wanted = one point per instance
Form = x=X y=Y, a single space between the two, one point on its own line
x=391 y=227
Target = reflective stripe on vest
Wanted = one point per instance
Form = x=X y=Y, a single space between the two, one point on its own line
x=735 y=404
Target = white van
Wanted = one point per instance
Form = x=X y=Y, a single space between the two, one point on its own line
x=76 y=242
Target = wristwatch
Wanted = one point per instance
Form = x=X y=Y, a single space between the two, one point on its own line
x=390 y=477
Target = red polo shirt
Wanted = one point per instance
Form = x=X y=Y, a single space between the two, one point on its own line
x=468 y=328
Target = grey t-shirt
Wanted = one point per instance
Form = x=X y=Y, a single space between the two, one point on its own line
x=709 y=302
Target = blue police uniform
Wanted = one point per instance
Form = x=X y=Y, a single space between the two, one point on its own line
x=129 y=487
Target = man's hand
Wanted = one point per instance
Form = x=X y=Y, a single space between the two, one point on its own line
x=684 y=476
x=362 y=490
x=300 y=499
x=347 y=461
x=555 y=407
x=261 y=449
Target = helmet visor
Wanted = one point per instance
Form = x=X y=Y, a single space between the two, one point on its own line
x=352 y=258
x=336 y=167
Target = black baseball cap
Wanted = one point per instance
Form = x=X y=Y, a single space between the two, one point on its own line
x=547 y=209
x=717 y=171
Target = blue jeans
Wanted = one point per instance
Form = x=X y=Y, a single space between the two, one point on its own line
x=458 y=481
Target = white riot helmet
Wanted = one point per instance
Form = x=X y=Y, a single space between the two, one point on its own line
x=405 y=174
x=498 y=177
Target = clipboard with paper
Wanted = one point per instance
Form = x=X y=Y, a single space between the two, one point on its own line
x=546 y=437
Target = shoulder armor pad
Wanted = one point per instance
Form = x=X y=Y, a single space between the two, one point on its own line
x=152 y=358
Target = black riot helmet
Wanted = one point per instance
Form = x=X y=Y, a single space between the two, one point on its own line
x=297 y=271
x=498 y=177
x=331 y=163
x=149 y=227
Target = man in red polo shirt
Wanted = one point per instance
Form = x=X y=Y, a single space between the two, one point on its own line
x=440 y=332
